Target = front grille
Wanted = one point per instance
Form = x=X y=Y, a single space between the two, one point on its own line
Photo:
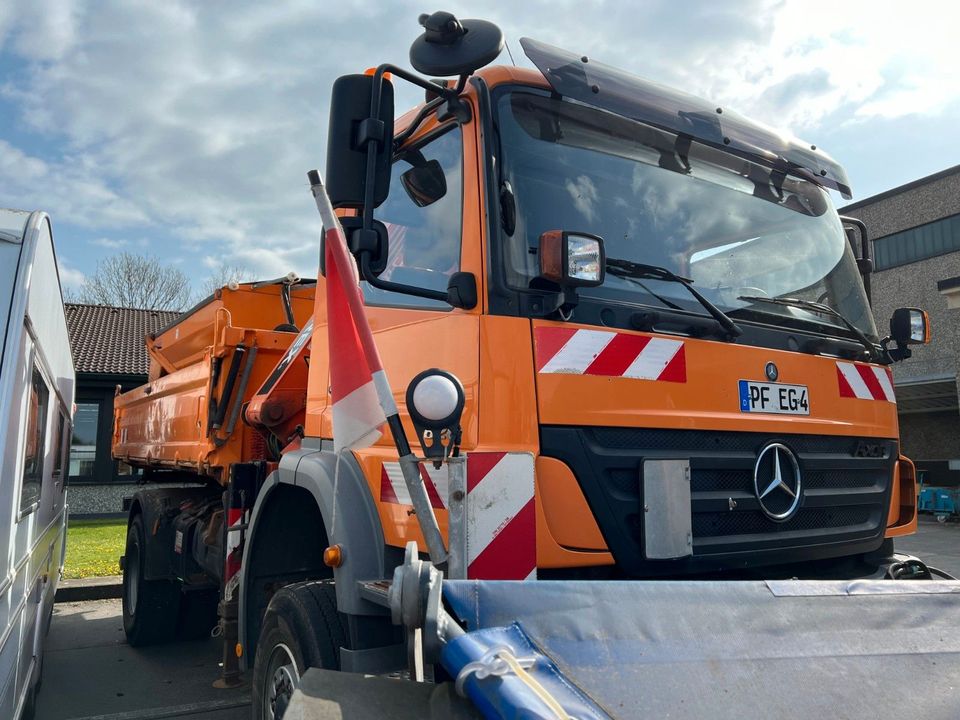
x=707 y=479
x=845 y=495
x=754 y=522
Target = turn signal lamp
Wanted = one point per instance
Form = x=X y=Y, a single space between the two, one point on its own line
x=371 y=71
x=572 y=259
x=333 y=556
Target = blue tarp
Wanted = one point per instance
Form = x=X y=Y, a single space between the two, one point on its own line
x=702 y=649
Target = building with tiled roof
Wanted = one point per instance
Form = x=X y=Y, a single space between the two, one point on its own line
x=108 y=340
x=108 y=351
x=915 y=229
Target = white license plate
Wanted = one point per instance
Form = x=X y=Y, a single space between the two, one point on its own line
x=776 y=398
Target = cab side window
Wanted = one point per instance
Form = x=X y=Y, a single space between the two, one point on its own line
x=423 y=218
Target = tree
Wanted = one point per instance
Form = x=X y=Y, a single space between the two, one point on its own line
x=137 y=281
x=223 y=275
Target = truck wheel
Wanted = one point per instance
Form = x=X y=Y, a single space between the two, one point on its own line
x=301 y=629
x=150 y=607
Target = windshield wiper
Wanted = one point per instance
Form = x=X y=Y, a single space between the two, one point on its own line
x=669 y=303
x=812 y=306
x=642 y=271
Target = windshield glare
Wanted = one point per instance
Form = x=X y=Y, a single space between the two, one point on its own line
x=730 y=225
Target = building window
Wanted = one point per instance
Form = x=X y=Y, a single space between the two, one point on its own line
x=83 y=446
x=124 y=471
x=36 y=435
x=919 y=243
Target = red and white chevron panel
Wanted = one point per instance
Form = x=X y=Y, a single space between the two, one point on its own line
x=501 y=517
x=500 y=511
x=600 y=352
x=866 y=382
x=231 y=572
x=394 y=490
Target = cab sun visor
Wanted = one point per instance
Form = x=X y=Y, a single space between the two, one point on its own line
x=608 y=88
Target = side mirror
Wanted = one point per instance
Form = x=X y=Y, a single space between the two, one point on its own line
x=375 y=242
x=350 y=132
x=572 y=259
x=856 y=232
x=910 y=326
x=425 y=184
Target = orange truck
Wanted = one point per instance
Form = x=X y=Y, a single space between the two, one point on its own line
x=655 y=319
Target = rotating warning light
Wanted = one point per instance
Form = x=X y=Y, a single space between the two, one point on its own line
x=435 y=399
x=435 y=402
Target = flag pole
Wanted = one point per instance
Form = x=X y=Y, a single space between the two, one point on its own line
x=409 y=465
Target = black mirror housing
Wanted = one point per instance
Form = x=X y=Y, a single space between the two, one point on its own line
x=351 y=129
x=910 y=326
x=425 y=184
x=462 y=290
x=374 y=241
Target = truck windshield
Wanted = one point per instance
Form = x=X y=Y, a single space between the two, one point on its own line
x=736 y=228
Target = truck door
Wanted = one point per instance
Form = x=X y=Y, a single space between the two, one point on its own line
x=425 y=220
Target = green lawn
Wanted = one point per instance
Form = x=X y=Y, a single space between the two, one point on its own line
x=94 y=548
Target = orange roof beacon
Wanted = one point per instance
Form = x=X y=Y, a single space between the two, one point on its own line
x=657 y=351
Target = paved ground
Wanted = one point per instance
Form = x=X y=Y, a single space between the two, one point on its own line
x=90 y=672
x=937 y=545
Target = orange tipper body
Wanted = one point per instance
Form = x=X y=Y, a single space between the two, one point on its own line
x=181 y=419
x=590 y=413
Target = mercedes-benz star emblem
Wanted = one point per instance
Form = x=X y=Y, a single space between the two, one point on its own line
x=772 y=372
x=776 y=482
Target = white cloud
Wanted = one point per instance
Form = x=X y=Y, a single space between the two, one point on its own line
x=109 y=243
x=198 y=121
x=42 y=29
x=70 y=189
x=583 y=194
x=70 y=278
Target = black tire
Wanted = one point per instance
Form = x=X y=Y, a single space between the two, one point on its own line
x=150 y=608
x=301 y=629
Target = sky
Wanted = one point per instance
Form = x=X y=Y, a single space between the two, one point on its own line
x=185 y=129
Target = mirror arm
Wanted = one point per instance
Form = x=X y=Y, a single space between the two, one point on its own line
x=444 y=92
x=401 y=138
x=373 y=144
x=376 y=282
x=900 y=352
x=864 y=238
x=453 y=109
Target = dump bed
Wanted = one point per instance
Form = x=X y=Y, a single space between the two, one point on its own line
x=204 y=367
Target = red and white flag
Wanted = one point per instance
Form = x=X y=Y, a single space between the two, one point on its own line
x=362 y=399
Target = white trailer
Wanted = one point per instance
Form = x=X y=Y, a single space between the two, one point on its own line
x=36 y=407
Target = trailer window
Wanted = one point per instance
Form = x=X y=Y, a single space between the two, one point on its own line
x=60 y=442
x=423 y=227
x=38 y=404
x=83 y=445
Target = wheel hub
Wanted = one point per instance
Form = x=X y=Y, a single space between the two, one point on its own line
x=132 y=578
x=282 y=679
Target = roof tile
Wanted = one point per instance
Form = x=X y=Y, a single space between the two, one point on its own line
x=110 y=340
